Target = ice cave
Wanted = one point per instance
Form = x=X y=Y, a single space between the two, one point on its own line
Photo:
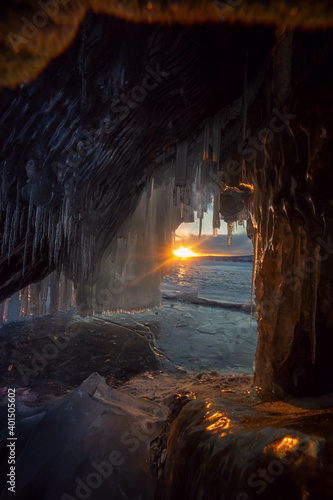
x=120 y=120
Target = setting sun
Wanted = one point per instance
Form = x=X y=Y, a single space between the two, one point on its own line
x=184 y=253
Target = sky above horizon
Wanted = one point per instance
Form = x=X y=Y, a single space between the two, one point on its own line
x=187 y=236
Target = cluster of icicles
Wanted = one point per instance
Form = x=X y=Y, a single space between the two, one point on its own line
x=129 y=274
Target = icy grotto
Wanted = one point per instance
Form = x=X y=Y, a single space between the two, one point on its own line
x=118 y=122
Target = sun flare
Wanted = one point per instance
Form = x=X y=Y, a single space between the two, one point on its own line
x=184 y=253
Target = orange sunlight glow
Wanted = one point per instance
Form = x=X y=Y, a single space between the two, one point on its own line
x=184 y=253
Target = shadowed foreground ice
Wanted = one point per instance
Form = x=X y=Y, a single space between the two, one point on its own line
x=93 y=443
x=171 y=437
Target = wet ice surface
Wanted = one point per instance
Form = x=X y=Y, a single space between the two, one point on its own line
x=199 y=338
x=182 y=335
x=216 y=335
x=221 y=280
x=49 y=356
x=163 y=355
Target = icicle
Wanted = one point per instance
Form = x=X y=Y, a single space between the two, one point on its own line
x=50 y=236
x=58 y=242
x=4 y=311
x=199 y=194
x=2 y=308
x=23 y=296
x=43 y=295
x=65 y=295
x=200 y=211
x=69 y=234
x=206 y=141
x=54 y=288
x=200 y=228
x=230 y=228
x=188 y=214
x=33 y=299
x=188 y=209
x=36 y=235
x=29 y=223
x=254 y=268
x=216 y=210
x=6 y=231
x=187 y=194
x=216 y=139
x=66 y=209
x=181 y=164
x=241 y=218
x=174 y=195
x=149 y=189
x=15 y=224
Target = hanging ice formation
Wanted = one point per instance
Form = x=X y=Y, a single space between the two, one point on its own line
x=129 y=274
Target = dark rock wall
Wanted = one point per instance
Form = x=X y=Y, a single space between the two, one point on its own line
x=292 y=212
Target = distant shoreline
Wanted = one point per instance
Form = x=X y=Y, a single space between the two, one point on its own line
x=231 y=258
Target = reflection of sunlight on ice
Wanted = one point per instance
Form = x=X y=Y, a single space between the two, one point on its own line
x=217 y=420
x=221 y=423
x=279 y=448
x=181 y=273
